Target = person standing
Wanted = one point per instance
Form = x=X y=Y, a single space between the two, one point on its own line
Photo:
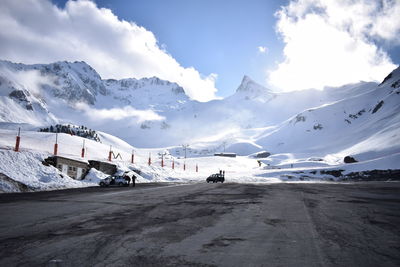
x=127 y=179
x=133 y=180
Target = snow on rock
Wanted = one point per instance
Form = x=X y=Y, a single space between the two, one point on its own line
x=8 y=185
x=250 y=89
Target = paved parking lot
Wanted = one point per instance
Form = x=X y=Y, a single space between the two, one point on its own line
x=298 y=224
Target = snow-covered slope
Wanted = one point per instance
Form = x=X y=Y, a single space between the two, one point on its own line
x=19 y=104
x=74 y=93
x=154 y=113
x=307 y=132
x=148 y=112
x=365 y=126
x=25 y=169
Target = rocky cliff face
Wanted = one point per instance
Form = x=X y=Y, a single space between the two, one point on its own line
x=72 y=82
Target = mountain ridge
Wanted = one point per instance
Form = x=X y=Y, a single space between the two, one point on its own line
x=151 y=112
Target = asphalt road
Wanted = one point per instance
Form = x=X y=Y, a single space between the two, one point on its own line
x=204 y=225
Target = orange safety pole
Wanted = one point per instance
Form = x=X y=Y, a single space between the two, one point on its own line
x=83 y=150
x=109 y=154
x=55 y=152
x=162 y=161
x=173 y=164
x=18 y=140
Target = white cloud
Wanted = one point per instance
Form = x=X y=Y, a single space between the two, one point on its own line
x=117 y=114
x=331 y=43
x=262 y=49
x=31 y=80
x=36 y=31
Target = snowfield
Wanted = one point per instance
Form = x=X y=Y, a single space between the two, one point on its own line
x=308 y=133
x=26 y=168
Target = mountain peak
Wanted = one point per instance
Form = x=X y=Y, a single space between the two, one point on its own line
x=246 y=83
x=394 y=76
x=250 y=87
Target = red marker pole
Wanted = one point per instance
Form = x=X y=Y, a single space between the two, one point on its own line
x=83 y=150
x=173 y=164
x=133 y=157
x=162 y=161
x=18 y=140
x=109 y=154
x=55 y=152
x=149 y=159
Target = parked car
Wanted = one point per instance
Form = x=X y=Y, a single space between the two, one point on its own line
x=114 y=181
x=215 y=178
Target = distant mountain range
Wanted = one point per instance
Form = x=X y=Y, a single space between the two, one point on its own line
x=359 y=119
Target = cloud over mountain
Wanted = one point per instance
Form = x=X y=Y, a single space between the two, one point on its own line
x=332 y=43
x=38 y=31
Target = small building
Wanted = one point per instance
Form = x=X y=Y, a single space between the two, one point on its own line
x=231 y=155
x=73 y=168
x=103 y=166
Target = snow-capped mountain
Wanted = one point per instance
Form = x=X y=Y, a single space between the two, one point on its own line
x=21 y=104
x=74 y=92
x=308 y=133
x=150 y=112
x=249 y=89
x=150 y=91
x=72 y=82
x=364 y=125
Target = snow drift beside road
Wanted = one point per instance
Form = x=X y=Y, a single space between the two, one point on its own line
x=26 y=167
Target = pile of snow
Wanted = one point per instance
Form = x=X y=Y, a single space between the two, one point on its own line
x=27 y=168
x=94 y=176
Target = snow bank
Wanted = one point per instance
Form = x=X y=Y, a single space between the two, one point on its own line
x=94 y=176
x=27 y=168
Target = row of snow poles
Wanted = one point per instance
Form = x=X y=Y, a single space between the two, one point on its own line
x=55 y=150
x=163 y=165
x=110 y=153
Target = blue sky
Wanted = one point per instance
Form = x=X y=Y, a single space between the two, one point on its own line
x=206 y=46
x=214 y=36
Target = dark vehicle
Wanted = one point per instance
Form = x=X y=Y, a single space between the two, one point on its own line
x=215 y=178
x=114 y=181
